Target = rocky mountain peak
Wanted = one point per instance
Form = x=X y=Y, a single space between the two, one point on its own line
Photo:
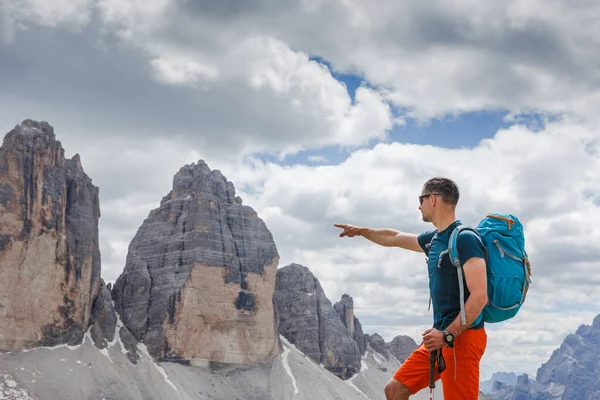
x=401 y=347
x=378 y=344
x=571 y=373
x=31 y=128
x=199 y=277
x=198 y=178
x=49 y=254
x=308 y=319
x=345 y=309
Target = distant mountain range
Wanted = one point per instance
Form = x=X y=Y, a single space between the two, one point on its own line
x=571 y=373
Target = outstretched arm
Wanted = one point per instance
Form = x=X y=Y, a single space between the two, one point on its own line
x=383 y=237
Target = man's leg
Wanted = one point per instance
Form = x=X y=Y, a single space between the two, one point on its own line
x=395 y=390
x=469 y=348
x=412 y=376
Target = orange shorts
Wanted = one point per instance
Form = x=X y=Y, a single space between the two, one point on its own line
x=468 y=347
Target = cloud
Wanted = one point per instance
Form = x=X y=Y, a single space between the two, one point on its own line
x=240 y=97
x=20 y=14
x=545 y=178
x=429 y=58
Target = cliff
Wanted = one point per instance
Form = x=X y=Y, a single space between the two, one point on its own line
x=49 y=254
x=199 y=277
x=309 y=321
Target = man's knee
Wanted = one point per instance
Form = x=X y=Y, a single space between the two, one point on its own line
x=395 y=390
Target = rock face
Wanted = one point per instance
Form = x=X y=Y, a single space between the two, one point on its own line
x=571 y=373
x=345 y=309
x=49 y=254
x=509 y=378
x=199 y=276
x=104 y=318
x=378 y=344
x=575 y=365
x=401 y=347
x=309 y=321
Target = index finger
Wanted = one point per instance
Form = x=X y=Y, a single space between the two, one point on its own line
x=340 y=225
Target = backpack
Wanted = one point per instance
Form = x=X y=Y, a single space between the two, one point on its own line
x=508 y=267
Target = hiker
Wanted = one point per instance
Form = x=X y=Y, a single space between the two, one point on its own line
x=461 y=345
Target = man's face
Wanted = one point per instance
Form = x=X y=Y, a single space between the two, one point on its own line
x=425 y=206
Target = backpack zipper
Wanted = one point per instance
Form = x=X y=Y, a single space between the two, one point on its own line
x=507 y=220
x=504 y=252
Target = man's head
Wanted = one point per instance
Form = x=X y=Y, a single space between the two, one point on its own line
x=439 y=195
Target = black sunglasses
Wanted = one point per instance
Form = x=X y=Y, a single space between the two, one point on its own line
x=423 y=196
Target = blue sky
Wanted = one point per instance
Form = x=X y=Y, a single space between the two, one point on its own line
x=461 y=130
x=455 y=131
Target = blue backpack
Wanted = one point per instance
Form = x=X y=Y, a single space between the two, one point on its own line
x=508 y=268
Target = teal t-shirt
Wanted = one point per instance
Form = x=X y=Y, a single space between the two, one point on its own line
x=443 y=280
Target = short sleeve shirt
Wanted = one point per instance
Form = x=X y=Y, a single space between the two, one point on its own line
x=443 y=279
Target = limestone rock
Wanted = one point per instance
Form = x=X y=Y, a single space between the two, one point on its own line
x=130 y=344
x=345 y=309
x=574 y=366
x=199 y=276
x=49 y=254
x=308 y=320
x=571 y=373
x=103 y=319
x=378 y=344
x=360 y=337
x=401 y=347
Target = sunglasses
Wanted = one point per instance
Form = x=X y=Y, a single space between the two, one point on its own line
x=424 y=196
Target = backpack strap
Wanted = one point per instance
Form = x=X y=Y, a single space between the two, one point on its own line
x=454 y=258
x=428 y=246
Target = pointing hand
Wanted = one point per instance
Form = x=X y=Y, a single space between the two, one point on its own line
x=349 y=230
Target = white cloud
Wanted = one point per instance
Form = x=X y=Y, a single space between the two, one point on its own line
x=19 y=14
x=286 y=84
x=545 y=178
x=182 y=71
x=432 y=58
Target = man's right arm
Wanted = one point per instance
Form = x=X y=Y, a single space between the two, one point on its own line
x=383 y=237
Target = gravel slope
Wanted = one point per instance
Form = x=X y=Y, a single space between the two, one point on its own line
x=84 y=372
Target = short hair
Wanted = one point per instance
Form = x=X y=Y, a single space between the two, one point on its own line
x=444 y=186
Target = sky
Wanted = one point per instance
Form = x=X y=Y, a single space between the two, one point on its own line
x=336 y=111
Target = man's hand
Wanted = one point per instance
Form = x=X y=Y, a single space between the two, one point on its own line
x=350 y=230
x=433 y=339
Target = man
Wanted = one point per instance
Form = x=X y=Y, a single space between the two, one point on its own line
x=461 y=346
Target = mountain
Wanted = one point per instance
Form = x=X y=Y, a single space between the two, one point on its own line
x=508 y=378
x=345 y=310
x=309 y=321
x=574 y=367
x=49 y=254
x=571 y=373
x=401 y=347
x=198 y=282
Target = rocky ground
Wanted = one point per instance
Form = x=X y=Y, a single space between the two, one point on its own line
x=85 y=372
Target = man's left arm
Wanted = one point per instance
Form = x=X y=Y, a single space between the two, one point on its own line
x=476 y=279
x=472 y=258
